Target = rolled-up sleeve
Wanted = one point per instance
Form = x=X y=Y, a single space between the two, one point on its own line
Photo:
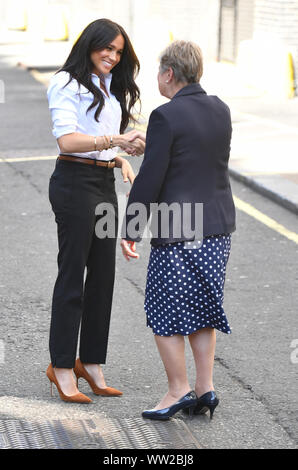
x=64 y=102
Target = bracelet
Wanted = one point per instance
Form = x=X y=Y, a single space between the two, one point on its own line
x=106 y=141
x=108 y=144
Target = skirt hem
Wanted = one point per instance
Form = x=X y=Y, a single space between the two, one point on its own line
x=191 y=332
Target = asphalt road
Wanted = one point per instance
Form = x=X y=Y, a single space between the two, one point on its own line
x=254 y=376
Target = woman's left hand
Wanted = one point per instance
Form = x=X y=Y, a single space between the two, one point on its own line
x=126 y=169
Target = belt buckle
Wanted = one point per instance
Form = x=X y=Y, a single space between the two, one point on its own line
x=110 y=164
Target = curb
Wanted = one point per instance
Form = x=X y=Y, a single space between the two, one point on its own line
x=264 y=191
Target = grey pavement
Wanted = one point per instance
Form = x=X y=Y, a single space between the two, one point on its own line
x=254 y=376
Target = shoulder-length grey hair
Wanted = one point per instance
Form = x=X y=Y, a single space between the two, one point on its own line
x=186 y=60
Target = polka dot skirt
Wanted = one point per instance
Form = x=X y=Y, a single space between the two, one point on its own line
x=184 y=289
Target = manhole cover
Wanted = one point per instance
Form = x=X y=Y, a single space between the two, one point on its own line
x=99 y=433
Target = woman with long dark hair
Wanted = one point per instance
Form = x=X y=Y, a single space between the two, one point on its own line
x=91 y=99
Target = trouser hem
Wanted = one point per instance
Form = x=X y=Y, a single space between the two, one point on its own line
x=63 y=363
x=92 y=360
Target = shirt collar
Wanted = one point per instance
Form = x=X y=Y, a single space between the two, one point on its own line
x=107 y=79
x=190 y=89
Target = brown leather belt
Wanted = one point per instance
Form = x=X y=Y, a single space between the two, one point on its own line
x=88 y=161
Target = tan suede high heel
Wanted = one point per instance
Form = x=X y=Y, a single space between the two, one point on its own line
x=76 y=398
x=81 y=372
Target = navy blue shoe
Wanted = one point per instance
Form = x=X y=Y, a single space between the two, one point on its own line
x=188 y=401
x=208 y=401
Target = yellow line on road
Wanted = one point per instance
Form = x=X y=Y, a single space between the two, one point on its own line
x=269 y=173
x=27 y=159
x=50 y=157
x=264 y=219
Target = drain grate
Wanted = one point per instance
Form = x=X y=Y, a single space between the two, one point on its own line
x=98 y=433
x=21 y=434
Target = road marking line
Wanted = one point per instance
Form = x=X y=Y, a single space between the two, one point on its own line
x=271 y=223
x=27 y=159
x=50 y=157
x=42 y=77
x=269 y=173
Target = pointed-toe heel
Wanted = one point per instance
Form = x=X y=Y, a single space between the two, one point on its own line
x=188 y=402
x=81 y=372
x=76 y=398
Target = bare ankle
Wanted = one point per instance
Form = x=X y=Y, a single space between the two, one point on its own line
x=66 y=380
x=201 y=390
x=95 y=371
x=178 y=392
x=62 y=372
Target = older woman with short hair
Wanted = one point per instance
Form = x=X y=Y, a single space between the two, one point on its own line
x=186 y=161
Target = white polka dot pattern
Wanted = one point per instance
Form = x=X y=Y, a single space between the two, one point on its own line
x=184 y=290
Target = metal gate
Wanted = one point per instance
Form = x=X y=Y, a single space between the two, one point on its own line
x=227 y=37
x=236 y=24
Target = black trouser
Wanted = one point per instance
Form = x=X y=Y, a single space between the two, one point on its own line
x=75 y=190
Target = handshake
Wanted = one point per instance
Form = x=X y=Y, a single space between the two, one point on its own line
x=132 y=142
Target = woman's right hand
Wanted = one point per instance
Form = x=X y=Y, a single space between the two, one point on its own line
x=135 y=134
x=135 y=148
x=132 y=143
x=129 y=249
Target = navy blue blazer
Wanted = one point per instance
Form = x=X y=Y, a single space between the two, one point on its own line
x=186 y=161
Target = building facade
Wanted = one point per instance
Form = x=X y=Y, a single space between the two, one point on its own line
x=264 y=34
x=259 y=36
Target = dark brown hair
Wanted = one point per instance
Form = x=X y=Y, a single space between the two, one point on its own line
x=97 y=36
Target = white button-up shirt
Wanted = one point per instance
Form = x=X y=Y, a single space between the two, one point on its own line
x=68 y=108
